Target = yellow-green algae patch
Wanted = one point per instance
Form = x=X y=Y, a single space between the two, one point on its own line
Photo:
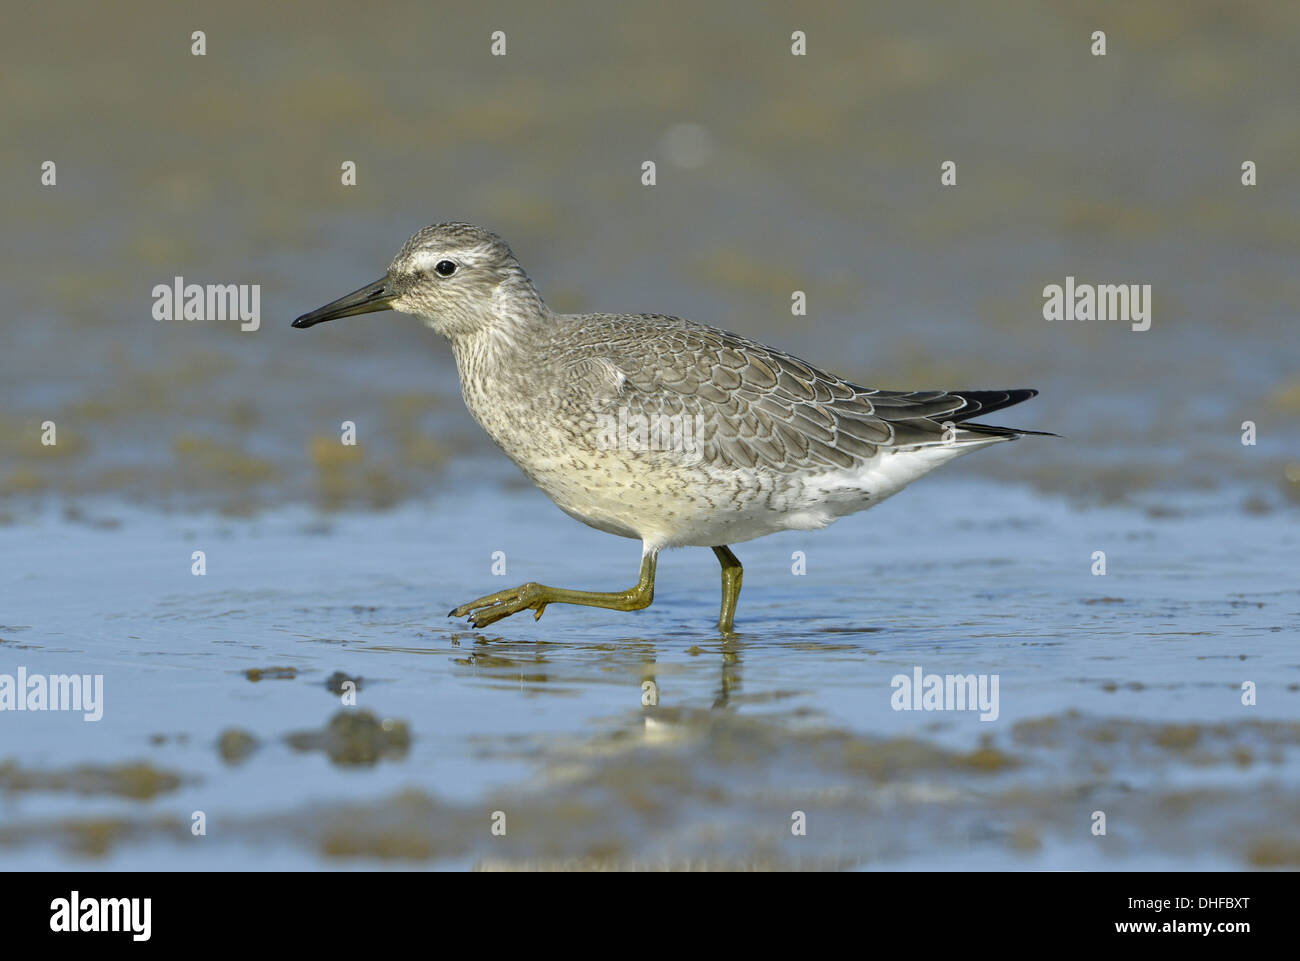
x=138 y=780
x=278 y=673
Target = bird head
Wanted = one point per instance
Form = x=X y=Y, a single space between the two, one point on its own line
x=459 y=279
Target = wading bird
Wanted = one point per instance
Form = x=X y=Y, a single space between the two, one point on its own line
x=759 y=441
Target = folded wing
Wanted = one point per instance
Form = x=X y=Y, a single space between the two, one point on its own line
x=761 y=407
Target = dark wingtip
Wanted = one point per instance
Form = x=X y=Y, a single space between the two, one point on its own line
x=980 y=402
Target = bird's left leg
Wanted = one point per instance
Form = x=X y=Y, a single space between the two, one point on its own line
x=493 y=607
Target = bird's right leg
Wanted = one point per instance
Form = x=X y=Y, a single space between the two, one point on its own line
x=493 y=607
x=732 y=573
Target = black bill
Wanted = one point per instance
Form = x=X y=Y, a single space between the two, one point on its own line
x=371 y=297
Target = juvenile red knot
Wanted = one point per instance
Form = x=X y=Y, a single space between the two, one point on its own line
x=671 y=432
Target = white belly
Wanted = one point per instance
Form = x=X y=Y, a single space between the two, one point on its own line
x=707 y=508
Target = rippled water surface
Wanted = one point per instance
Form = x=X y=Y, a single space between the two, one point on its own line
x=1119 y=693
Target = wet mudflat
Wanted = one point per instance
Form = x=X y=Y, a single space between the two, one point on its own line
x=646 y=740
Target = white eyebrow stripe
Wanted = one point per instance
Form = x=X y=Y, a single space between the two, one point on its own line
x=427 y=259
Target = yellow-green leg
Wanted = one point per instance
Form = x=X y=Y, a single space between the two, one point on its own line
x=492 y=608
x=732 y=573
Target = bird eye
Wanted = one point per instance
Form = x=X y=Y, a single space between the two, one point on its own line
x=445 y=268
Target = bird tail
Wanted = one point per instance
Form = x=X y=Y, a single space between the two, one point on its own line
x=980 y=402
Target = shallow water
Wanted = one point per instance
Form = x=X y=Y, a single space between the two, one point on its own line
x=1119 y=693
